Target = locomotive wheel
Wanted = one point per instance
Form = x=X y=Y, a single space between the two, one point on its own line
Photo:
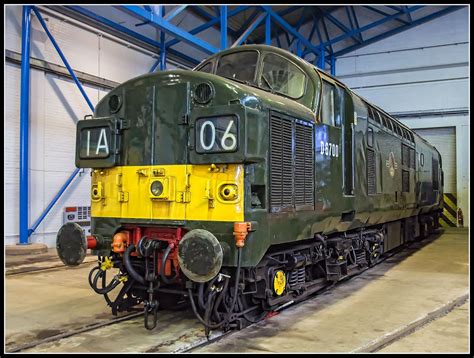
x=246 y=302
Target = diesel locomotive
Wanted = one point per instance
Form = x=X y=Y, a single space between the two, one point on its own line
x=244 y=185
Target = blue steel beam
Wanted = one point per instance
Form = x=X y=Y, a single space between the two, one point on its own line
x=276 y=36
x=299 y=23
x=24 y=124
x=172 y=29
x=399 y=29
x=290 y=29
x=205 y=15
x=60 y=53
x=249 y=30
x=177 y=10
x=339 y=24
x=282 y=13
x=55 y=199
x=209 y=24
x=247 y=22
x=268 y=30
x=161 y=13
x=356 y=22
x=370 y=26
x=321 y=59
x=223 y=10
x=405 y=9
x=131 y=33
x=327 y=35
x=155 y=65
x=73 y=175
x=378 y=11
x=299 y=50
x=311 y=33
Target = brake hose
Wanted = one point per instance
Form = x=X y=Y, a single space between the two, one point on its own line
x=163 y=264
x=128 y=265
x=236 y=287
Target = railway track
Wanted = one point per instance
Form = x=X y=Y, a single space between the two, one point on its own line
x=87 y=328
x=30 y=268
x=215 y=336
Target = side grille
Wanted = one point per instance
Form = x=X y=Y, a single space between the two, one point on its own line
x=304 y=165
x=405 y=181
x=281 y=163
x=291 y=163
x=371 y=172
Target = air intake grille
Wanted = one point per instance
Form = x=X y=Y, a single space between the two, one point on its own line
x=371 y=172
x=291 y=166
x=281 y=163
x=304 y=165
x=405 y=181
x=203 y=93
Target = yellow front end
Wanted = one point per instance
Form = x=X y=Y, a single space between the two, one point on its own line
x=169 y=192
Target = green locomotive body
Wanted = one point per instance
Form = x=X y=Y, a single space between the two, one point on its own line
x=256 y=178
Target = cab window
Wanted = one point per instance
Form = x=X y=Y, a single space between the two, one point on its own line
x=281 y=76
x=332 y=105
x=238 y=66
x=207 y=67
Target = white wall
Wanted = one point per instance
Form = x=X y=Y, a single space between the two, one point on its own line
x=55 y=106
x=424 y=68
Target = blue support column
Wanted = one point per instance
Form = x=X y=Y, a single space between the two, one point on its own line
x=60 y=53
x=321 y=58
x=268 y=33
x=299 y=51
x=24 y=124
x=73 y=175
x=223 y=27
x=163 y=44
x=333 y=65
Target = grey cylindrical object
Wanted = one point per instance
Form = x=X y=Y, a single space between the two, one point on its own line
x=71 y=244
x=200 y=255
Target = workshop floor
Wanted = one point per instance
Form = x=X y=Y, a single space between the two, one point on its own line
x=369 y=310
x=424 y=287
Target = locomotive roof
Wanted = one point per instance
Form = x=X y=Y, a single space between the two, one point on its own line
x=309 y=67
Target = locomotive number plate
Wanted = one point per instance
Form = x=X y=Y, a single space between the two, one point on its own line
x=95 y=142
x=216 y=134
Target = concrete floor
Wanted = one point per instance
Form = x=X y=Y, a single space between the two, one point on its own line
x=449 y=333
x=360 y=312
x=353 y=316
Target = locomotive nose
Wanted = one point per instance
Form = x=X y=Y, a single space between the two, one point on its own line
x=200 y=255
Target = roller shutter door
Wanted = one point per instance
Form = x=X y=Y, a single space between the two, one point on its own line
x=444 y=139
